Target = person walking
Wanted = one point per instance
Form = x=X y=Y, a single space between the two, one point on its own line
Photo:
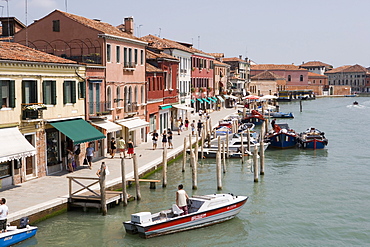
x=89 y=155
x=4 y=211
x=76 y=152
x=155 y=139
x=179 y=125
x=186 y=123
x=164 y=139
x=121 y=147
x=199 y=127
x=70 y=159
x=169 y=133
x=112 y=147
x=130 y=148
x=192 y=126
x=181 y=199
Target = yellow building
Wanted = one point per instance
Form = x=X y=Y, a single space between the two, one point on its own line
x=42 y=100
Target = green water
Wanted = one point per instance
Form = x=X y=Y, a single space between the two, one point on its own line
x=305 y=198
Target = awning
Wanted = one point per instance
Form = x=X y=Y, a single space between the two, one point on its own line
x=78 y=130
x=212 y=99
x=163 y=107
x=133 y=124
x=183 y=107
x=192 y=101
x=221 y=99
x=230 y=96
x=200 y=100
x=206 y=100
x=15 y=145
x=107 y=125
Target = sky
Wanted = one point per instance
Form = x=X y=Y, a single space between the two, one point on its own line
x=266 y=31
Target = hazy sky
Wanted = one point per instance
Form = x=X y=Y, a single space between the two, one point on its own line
x=267 y=31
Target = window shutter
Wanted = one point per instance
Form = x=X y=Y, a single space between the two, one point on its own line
x=53 y=93
x=65 y=92
x=73 y=92
x=33 y=92
x=44 y=93
x=23 y=92
x=82 y=89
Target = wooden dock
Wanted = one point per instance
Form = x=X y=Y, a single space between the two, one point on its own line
x=90 y=199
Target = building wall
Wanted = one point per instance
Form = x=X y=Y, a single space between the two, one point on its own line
x=295 y=76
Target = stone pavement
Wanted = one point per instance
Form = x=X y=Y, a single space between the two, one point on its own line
x=46 y=192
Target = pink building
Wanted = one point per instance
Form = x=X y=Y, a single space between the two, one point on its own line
x=115 y=68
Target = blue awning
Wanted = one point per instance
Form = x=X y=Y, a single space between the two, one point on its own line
x=212 y=99
x=192 y=101
x=200 y=100
x=206 y=100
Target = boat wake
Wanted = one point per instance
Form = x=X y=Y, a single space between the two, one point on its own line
x=356 y=106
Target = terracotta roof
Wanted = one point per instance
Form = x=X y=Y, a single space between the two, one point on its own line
x=348 y=69
x=216 y=62
x=217 y=55
x=232 y=59
x=311 y=75
x=164 y=43
x=154 y=55
x=103 y=27
x=316 y=64
x=266 y=75
x=152 y=69
x=275 y=67
x=17 y=52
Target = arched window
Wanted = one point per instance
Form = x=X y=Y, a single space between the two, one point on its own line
x=301 y=78
x=142 y=94
x=289 y=78
x=118 y=96
x=135 y=95
x=129 y=99
x=109 y=97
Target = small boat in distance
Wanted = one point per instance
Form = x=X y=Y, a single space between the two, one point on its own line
x=281 y=115
x=355 y=103
x=312 y=139
x=203 y=211
x=14 y=235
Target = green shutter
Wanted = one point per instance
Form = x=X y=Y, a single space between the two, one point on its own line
x=33 y=92
x=73 y=92
x=65 y=93
x=53 y=93
x=23 y=92
x=44 y=93
x=81 y=89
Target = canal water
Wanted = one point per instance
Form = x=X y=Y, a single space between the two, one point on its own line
x=305 y=198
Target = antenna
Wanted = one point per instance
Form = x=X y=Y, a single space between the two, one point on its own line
x=7 y=9
x=139 y=30
x=26 y=8
x=159 y=35
x=198 y=42
x=66 y=4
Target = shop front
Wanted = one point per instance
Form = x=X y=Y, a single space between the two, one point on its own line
x=110 y=130
x=15 y=152
x=64 y=135
x=134 y=129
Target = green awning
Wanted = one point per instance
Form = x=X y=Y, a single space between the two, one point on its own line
x=206 y=100
x=200 y=100
x=78 y=130
x=212 y=99
x=192 y=101
x=165 y=107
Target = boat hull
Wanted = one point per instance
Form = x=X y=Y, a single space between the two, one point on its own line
x=282 y=140
x=313 y=144
x=189 y=221
x=13 y=237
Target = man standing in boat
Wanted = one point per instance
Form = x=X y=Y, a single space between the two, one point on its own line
x=3 y=215
x=181 y=199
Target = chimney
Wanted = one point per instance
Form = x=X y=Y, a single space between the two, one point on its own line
x=129 y=25
x=240 y=56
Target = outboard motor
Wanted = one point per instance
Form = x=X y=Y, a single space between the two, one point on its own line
x=23 y=222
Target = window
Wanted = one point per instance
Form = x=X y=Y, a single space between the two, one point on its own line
x=118 y=94
x=29 y=92
x=118 y=54
x=301 y=78
x=7 y=93
x=5 y=169
x=136 y=56
x=142 y=94
x=49 y=92
x=142 y=57
x=69 y=92
x=130 y=56
x=149 y=86
x=125 y=60
x=56 y=26
x=289 y=78
x=108 y=52
x=81 y=90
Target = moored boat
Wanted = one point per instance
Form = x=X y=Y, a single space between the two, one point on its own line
x=254 y=117
x=203 y=211
x=281 y=115
x=282 y=136
x=312 y=139
x=15 y=235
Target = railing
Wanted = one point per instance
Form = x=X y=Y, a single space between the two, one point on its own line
x=32 y=111
x=129 y=65
x=100 y=108
x=131 y=107
x=92 y=58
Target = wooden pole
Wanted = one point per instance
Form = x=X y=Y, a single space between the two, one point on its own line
x=194 y=170
x=184 y=156
x=223 y=156
x=249 y=140
x=219 y=144
x=255 y=164
x=202 y=145
x=300 y=105
x=102 y=189
x=244 y=112
x=136 y=177
x=124 y=189
x=218 y=170
x=262 y=149
x=164 y=163
x=227 y=144
x=196 y=148
x=242 y=146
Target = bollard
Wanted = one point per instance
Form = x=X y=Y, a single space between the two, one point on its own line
x=184 y=156
x=136 y=177
x=164 y=163
x=255 y=164
x=124 y=189
x=223 y=156
x=194 y=170
x=218 y=170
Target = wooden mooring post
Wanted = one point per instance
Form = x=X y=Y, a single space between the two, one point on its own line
x=136 y=177
x=255 y=164
x=102 y=189
x=194 y=170
x=124 y=189
x=184 y=156
x=262 y=150
x=223 y=157
x=218 y=170
x=164 y=164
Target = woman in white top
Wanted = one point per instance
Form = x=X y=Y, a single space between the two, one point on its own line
x=181 y=199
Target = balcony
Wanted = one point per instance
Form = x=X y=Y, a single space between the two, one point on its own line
x=129 y=66
x=32 y=111
x=100 y=108
x=131 y=107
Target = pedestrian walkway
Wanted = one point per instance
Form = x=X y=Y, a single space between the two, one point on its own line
x=46 y=192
